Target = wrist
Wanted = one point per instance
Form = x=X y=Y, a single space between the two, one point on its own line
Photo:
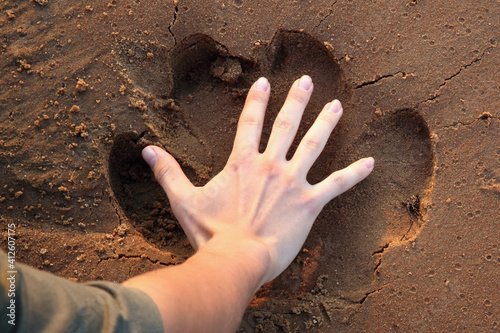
x=241 y=253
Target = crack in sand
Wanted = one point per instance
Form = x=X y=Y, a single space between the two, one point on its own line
x=380 y=253
x=463 y=67
x=115 y=205
x=483 y=116
x=380 y=78
x=382 y=249
x=174 y=19
x=377 y=265
x=341 y=58
x=327 y=16
x=451 y=77
x=324 y=304
x=368 y=294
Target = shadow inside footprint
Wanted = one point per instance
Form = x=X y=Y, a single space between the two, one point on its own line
x=346 y=242
x=197 y=126
x=140 y=197
x=210 y=86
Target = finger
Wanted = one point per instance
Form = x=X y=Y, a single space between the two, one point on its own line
x=167 y=172
x=313 y=143
x=342 y=180
x=252 y=117
x=287 y=122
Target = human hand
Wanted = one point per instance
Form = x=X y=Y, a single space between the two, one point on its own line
x=261 y=197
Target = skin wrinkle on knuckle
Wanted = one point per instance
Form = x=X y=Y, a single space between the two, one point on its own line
x=312 y=144
x=283 y=123
x=161 y=174
x=326 y=117
x=257 y=96
x=358 y=172
x=235 y=167
x=270 y=168
x=298 y=96
x=249 y=121
x=340 y=181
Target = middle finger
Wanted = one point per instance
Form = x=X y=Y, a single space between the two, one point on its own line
x=287 y=122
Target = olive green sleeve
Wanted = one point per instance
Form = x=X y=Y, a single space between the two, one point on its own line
x=37 y=301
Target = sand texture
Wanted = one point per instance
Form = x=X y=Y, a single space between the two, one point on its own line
x=414 y=248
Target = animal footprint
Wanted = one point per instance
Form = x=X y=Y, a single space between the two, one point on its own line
x=194 y=112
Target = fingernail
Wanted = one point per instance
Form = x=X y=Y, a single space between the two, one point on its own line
x=305 y=82
x=336 y=106
x=262 y=84
x=369 y=163
x=149 y=155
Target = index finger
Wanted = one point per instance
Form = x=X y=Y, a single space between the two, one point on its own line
x=342 y=180
x=252 y=117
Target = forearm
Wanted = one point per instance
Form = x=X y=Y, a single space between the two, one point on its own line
x=210 y=291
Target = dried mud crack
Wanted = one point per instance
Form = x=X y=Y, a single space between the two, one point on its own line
x=380 y=78
x=446 y=80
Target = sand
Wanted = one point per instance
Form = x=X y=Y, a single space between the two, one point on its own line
x=412 y=248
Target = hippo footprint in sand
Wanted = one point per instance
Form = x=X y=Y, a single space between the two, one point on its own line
x=193 y=112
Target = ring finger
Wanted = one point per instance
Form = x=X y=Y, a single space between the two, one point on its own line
x=314 y=141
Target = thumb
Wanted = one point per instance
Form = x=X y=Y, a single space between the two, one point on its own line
x=167 y=171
